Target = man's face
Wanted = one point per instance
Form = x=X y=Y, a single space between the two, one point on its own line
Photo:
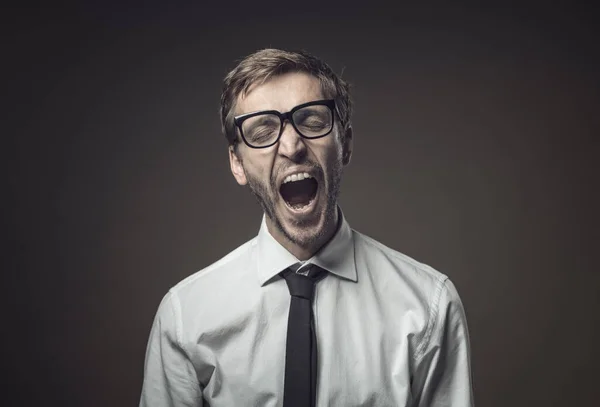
x=303 y=211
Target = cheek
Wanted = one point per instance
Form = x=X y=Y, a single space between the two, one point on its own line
x=259 y=168
x=327 y=147
x=332 y=154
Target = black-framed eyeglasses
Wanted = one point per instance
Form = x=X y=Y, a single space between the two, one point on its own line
x=310 y=120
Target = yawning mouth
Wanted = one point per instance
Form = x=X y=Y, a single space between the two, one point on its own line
x=299 y=190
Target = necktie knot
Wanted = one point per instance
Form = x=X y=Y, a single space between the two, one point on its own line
x=300 y=285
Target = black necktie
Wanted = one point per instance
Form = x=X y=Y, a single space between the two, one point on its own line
x=300 y=388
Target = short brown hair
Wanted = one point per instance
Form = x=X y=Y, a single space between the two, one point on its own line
x=265 y=63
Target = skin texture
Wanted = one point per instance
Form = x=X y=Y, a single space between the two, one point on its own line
x=263 y=170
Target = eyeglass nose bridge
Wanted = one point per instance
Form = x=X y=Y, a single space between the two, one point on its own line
x=290 y=118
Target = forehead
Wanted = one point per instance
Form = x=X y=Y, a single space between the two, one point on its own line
x=281 y=92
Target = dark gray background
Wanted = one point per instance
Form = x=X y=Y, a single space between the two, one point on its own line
x=476 y=145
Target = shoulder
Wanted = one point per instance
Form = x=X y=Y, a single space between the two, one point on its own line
x=384 y=260
x=408 y=284
x=400 y=278
x=230 y=267
x=195 y=297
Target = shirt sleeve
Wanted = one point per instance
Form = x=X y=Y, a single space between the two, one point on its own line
x=169 y=376
x=442 y=376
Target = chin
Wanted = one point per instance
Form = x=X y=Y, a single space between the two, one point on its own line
x=306 y=232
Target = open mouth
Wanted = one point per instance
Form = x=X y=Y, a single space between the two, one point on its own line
x=299 y=190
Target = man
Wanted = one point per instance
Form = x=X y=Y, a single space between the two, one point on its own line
x=309 y=312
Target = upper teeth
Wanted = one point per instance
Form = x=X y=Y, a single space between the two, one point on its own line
x=296 y=177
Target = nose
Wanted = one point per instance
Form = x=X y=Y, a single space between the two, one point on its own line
x=291 y=144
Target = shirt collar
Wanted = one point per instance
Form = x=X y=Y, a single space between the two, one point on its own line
x=337 y=256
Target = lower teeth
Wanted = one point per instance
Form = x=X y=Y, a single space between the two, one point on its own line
x=298 y=205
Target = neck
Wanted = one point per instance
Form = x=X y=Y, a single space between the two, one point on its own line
x=305 y=252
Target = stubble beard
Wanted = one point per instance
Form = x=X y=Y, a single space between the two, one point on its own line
x=266 y=195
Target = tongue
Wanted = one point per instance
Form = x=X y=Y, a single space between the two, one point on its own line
x=299 y=199
x=298 y=193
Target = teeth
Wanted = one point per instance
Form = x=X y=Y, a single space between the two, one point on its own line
x=296 y=177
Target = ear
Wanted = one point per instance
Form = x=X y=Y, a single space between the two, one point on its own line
x=237 y=169
x=347 y=145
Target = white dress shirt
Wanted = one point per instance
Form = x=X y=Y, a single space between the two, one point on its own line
x=390 y=331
